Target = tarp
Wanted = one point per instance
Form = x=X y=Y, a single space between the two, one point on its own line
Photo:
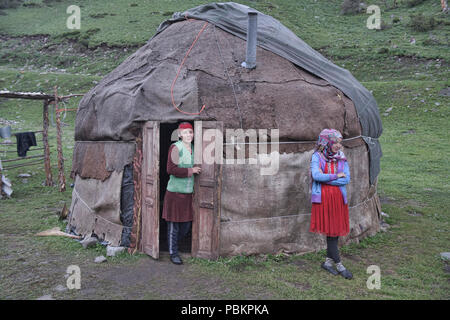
x=275 y=37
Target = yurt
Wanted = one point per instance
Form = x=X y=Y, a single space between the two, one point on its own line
x=256 y=112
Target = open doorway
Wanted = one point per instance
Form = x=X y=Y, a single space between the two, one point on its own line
x=167 y=133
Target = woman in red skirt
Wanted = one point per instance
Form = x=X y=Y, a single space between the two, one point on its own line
x=177 y=208
x=329 y=215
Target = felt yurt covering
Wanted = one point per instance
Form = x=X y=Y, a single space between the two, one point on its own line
x=293 y=89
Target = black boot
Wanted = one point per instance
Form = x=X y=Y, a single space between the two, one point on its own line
x=175 y=258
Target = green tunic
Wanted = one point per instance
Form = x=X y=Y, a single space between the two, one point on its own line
x=186 y=160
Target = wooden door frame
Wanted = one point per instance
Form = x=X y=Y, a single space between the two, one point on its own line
x=206 y=222
x=150 y=189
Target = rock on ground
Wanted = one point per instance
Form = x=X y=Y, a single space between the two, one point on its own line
x=112 y=251
x=445 y=255
x=89 y=242
x=100 y=259
x=60 y=288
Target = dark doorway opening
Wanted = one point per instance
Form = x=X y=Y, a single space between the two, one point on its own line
x=166 y=134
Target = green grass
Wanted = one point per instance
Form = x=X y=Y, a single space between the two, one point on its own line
x=413 y=183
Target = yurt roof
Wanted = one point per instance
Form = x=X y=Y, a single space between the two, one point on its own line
x=144 y=87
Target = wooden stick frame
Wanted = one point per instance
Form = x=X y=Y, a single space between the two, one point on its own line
x=48 y=99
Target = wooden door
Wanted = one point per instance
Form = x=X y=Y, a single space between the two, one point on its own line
x=150 y=190
x=207 y=188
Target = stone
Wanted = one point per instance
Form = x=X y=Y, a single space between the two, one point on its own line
x=46 y=297
x=384 y=214
x=445 y=255
x=384 y=226
x=60 y=288
x=112 y=251
x=24 y=175
x=89 y=242
x=100 y=259
x=445 y=92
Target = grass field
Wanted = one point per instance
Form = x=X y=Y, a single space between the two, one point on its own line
x=407 y=78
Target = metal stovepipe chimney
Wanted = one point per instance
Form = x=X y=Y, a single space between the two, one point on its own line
x=250 y=60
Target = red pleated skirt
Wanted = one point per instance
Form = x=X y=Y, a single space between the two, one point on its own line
x=330 y=217
x=178 y=207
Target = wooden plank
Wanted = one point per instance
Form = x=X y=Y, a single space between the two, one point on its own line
x=29 y=150
x=34 y=95
x=150 y=190
x=23 y=158
x=23 y=164
x=62 y=178
x=206 y=224
x=47 y=165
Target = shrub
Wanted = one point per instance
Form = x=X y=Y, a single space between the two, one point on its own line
x=10 y=4
x=350 y=7
x=384 y=25
x=420 y=22
x=413 y=3
x=32 y=5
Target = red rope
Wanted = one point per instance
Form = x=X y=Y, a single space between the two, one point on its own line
x=61 y=110
x=178 y=73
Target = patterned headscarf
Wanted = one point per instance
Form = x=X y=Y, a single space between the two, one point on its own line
x=327 y=138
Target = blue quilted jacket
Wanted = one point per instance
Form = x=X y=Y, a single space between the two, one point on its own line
x=317 y=167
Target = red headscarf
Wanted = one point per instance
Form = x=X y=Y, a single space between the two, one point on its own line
x=185 y=125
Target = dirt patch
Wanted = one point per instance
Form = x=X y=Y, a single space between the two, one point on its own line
x=302 y=286
x=386 y=200
x=414 y=213
x=299 y=263
x=351 y=257
x=149 y=278
x=410 y=131
x=48 y=46
x=57 y=53
x=298 y=285
x=29 y=271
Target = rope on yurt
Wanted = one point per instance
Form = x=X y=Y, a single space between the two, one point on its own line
x=87 y=206
x=228 y=75
x=295 y=142
x=294 y=215
x=178 y=73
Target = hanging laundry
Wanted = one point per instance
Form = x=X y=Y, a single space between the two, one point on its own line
x=24 y=141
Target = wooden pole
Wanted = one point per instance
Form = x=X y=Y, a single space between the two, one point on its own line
x=22 y=158
x=48 y=168
x=1 y=185
x=62 y=179
x=31 y=163
x=34 y=95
